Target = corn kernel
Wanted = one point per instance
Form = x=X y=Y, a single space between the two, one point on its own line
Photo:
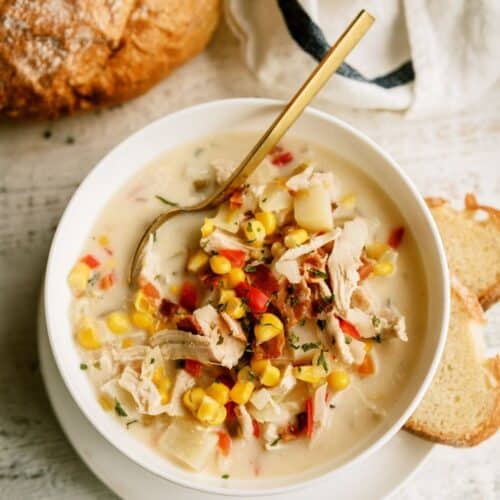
x=235 y=276
x=241 y=392
x=225 y=295
x=106 y=402
x=197 y=261
x=193 y=397
x=157 y=325
x=277 y=249
x=311 y=374
x=295 y=238
x=118 y=322
x=338 y=380
x=220 y=264
x=268 y=327
x=142 y=320
x=162 y=383
x=235 y=308
x=246 y=374
x=383 y=269
x=87 y=338
x=142 y=303
x=220 y=416
x=79 y=277
x=207 y=410
x=103 y=240
x=128 y=342
x=158 y=374
x=348 y=201
x=268 y=220
x=259 y=365
x=207 y=228
x=174 y=289
x=254 y=232
x=376 y=249
x=271 y=376
x=219 y=392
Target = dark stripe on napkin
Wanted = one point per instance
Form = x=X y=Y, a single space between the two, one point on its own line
x=311 y=39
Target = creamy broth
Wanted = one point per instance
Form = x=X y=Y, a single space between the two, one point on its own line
x=354 y=413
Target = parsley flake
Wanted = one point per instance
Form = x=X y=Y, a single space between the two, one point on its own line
x=167 y=202
x=119 y=410
x=83 y=366
x=318 y=273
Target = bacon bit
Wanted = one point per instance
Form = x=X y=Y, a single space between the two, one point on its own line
x=189 y=324
x=168 y=308
x=279 y=159
x=226 y=379
x=367 y=367
x=224 y=443
x=256 y=428
x=236 y=257
x=230 y=410
x=91 y=261
x=271 y=349
x=189 y=296
x=236 y=199
x=150 y=290
x=106 y=282
x=309 y=413
x=193 y=367
x=364 y=271
x=348 y=328
x=210 y=280
x=395 y=237
x=264 y=280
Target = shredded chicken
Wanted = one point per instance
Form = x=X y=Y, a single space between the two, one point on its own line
x=344 y=262
x=219 y=240
x=350 y=353
x=245 y=421
x=183 y=382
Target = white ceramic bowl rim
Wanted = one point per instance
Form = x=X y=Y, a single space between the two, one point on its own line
x=53 y=311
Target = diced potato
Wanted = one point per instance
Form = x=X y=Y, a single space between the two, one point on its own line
x=189 y=443
x=312 y=209
x=304 y=342
x=228 y=218
x=275 y=199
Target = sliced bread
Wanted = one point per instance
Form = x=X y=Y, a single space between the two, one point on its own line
x=472 y=246
x=462 y=406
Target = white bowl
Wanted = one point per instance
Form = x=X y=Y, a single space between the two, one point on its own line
x=187 y=126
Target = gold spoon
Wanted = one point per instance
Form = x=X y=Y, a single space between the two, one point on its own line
x=317 y=79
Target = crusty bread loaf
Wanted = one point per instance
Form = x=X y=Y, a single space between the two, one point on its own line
x=61 y=56
x=472 y=246
x=462 y=407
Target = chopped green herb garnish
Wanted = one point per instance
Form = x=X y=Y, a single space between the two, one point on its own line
x=131 y=422
x=375 y=321
x=220 y=340
x=83 y=366
x=151 y=361
x=119 y=410
x=250 y=269
x=310 y=345
x=221 y=307
x=348 y=339
x=167 y=202
x=321 y=323
x=94 y=279
x=154 y=237
x=302 y=322
x=198 y=151
x=378 y=338
x=225 y=476
x=292 y=340
x=97 y=365
x=318 y=273
x=276 y=441
x=332 y=406
x=322 y=361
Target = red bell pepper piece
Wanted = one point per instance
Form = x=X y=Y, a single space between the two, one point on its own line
x=395 y=237
x=107 y=281
x=230 y=410
x=256 y=428
x=349 y=328
x=189 y=296
x=193 y=367
x=236 y=257
x=309 y=413
x=367 y=367
x=91 y=261
x=236 y=199
x=256 y=300
x=281 y=159
x=224 y=443
x=264 y=280
x=150 y=291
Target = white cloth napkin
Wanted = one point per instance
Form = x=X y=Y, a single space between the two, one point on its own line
x=428 y=57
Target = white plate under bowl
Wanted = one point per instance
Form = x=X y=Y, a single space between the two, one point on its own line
x=189 y=125
x=382 y=473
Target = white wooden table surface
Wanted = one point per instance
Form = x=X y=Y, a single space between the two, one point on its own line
x=446 y=156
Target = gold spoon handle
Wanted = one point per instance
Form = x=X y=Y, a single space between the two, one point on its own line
x=321 y=74
x=316 y=81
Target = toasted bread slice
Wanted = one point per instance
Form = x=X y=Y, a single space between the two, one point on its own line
x=462 y=406
x=472 y=246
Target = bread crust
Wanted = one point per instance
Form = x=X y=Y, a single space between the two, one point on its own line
x=58 y=58
x=489 y=426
